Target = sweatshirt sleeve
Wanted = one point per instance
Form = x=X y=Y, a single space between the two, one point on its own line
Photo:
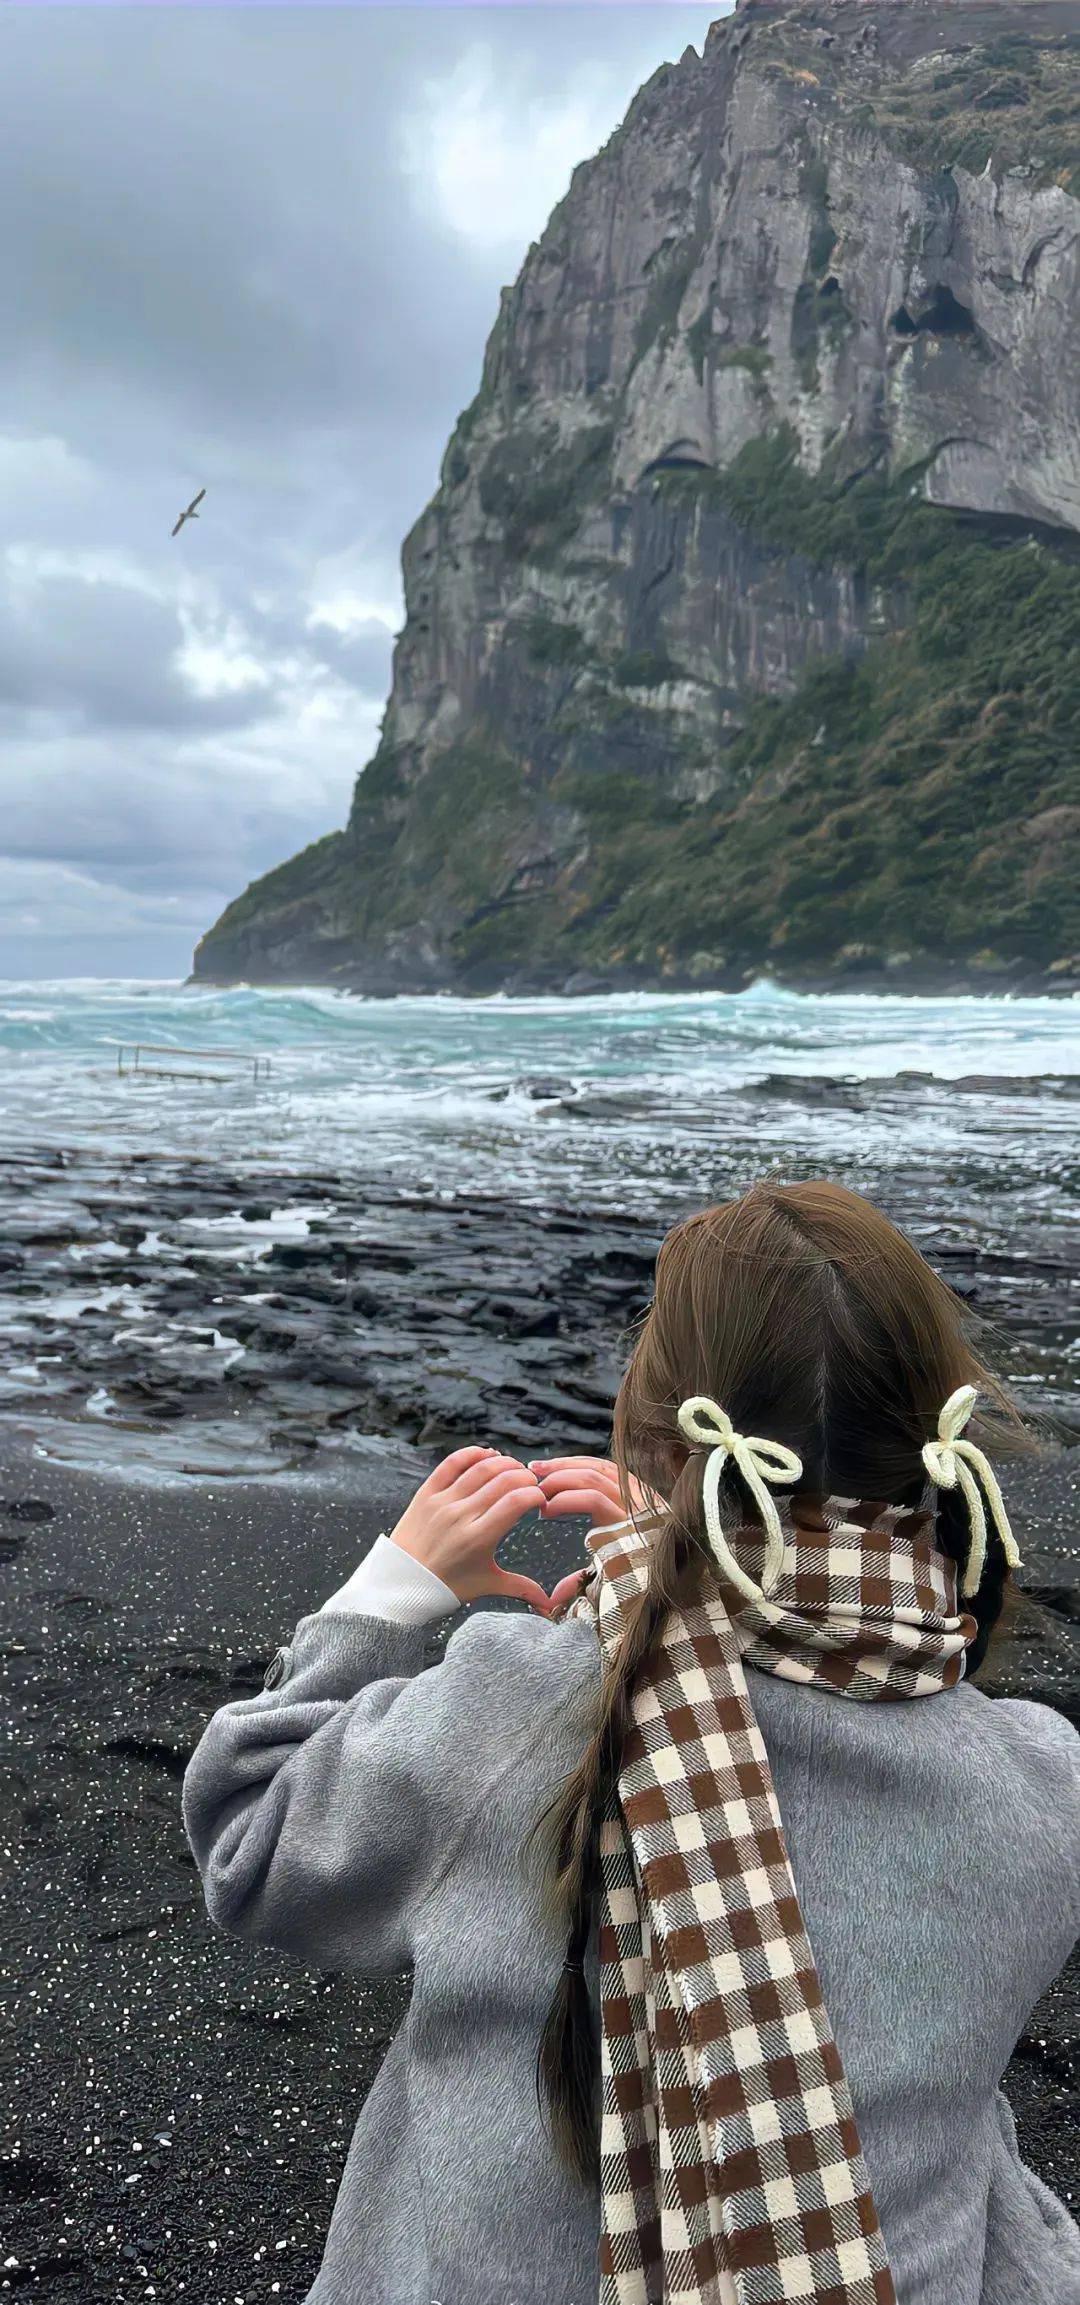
x=309 y=1806
x=323 y=1811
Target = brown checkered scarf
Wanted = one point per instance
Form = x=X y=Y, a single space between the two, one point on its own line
x=730 y=2164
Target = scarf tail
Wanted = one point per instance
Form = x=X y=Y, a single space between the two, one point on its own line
x=731 y=2167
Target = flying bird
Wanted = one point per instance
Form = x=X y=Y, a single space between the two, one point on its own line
x=191 y=513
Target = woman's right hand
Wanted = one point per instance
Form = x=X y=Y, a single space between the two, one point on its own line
x=585 y=1486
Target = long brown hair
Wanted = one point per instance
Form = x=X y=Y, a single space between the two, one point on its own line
x=815 y=1322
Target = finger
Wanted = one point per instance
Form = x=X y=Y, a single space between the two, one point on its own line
x=577 y=1504
x=510 y=1587
x=476 y=1500
x=564 y=1464
x=502 y=1513
x=579 y=1476
x=567 y=1589
x=591 y=1504
x=580 y=1457
x=451 y=1467
x=509 y=1481
x=495 y=1465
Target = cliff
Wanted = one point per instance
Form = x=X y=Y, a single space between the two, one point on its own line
x=743 y=630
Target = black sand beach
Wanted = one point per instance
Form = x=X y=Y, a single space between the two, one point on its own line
x=179 y=2105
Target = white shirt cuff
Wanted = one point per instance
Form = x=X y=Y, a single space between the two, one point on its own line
x=391 y=1583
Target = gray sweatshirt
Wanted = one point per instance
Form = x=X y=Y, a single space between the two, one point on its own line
x=364 y=1811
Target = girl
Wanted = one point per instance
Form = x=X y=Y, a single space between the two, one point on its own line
x=726 y=1894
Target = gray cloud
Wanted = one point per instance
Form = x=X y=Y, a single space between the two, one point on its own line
x=255 y=250
x=362 y=656
x=106 y=655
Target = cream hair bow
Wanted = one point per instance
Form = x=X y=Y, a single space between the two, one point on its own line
x=948 y=1461
x=701 y=1419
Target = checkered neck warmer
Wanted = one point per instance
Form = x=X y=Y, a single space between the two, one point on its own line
x=730 y=2164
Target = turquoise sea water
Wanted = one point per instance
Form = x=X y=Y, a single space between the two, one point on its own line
x=140 y=1200
x=615 y=1100
x=620 y=1101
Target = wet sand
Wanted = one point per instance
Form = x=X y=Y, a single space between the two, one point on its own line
x=180 y=2105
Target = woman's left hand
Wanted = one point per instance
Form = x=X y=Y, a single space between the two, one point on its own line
x=460 y=1515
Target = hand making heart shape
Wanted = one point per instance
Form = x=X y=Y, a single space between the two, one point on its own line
x=461 y=1513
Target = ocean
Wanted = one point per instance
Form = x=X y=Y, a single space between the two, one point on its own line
x=240 y=1226
x=625 y=1101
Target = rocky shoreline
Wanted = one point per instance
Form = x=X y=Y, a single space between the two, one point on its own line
x=195 y=1316
x=238 y=1384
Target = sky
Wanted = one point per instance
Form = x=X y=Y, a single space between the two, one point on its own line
x=256 y=250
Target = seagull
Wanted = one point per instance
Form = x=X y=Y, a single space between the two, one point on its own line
x=191 y=513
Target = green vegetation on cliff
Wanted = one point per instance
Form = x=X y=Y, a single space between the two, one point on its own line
x=535 y=487
x=1012 y=101
x=922 y=798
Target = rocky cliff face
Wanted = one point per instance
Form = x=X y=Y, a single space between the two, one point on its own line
x=741 y=630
